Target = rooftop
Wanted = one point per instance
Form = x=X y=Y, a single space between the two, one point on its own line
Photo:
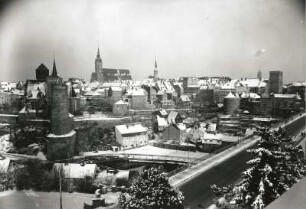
x=131 y=128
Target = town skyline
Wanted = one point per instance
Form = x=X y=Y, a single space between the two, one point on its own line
x=200 y=39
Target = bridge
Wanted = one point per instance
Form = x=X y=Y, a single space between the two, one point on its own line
x=140 y=158
x=184 y=176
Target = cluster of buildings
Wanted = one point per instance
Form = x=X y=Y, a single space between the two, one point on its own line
x=50 y=101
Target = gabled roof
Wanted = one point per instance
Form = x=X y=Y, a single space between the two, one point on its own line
x=184 y=98
x=172 y=116
x=180 y=126
x=161 y=121
x=42 y=67
x=230 y=95
x=254 y=96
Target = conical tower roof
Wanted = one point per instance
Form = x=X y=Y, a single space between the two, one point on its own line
x=54 y=71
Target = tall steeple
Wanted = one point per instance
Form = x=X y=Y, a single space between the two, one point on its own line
x=155 y=71
x=259 y=74
x=155 y=66
x=98 y=65
x=98 y=53
x=54 y=71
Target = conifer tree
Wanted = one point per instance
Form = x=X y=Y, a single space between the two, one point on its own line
x=122 y=200
x=153 y=191
x=274 y=168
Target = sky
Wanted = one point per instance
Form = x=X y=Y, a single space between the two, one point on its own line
x=187 y=37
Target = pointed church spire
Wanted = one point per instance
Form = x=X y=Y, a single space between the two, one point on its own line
x=54 y=71
x=155 y=63
x=155 y=71
x=98 y=53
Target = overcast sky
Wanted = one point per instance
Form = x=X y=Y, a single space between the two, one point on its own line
x=188 y=37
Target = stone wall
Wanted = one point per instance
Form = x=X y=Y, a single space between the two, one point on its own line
x=100 y=123
x=61 y=147
x=7 y=118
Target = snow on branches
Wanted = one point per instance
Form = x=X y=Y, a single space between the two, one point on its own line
x=275 y=167
x=153 y=190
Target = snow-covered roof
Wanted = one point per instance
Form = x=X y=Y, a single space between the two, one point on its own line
x=161 y=121
x=212 y=127
x=23 y=110
x=4 y=165
x=116 y=88
x=254 y=96
x=211 y=141
x=163 y=112
x=71 y=133
x=92 y=93
x=93 y=84
x=169 y=87
x=172 y=116
x=212 y=136
x=76 y=170
x=121 y=102
x=161 y=92
x=181 y=126
x=230 y=95
x=111 y=84
x=137 y=92
x=244 y=95
x=298 y=84
x=131 y=128
x=254 y=82
x=184 y=98
x=288 y=96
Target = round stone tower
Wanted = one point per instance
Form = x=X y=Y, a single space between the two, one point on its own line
x=60 y=123
x=231 y=103
x=61 y=139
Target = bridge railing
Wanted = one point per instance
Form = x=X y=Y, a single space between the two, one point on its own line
x=150 y=157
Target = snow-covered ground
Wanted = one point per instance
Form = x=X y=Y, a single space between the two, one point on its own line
x=151 y=150
x=96 y=116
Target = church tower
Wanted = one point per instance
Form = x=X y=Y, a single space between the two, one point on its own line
x=155 y=71
x=99 y=67
x=259 y=74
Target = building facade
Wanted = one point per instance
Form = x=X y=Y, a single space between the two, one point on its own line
x=131 y=135
x=276 y=82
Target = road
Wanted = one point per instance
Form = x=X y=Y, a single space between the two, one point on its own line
x=197 y=191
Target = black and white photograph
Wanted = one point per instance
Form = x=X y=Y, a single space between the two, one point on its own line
x=152 y=104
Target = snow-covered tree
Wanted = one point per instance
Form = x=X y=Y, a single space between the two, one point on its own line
x=122 y=200
x=274 y=168
x=293 y=166
x=152 y=190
